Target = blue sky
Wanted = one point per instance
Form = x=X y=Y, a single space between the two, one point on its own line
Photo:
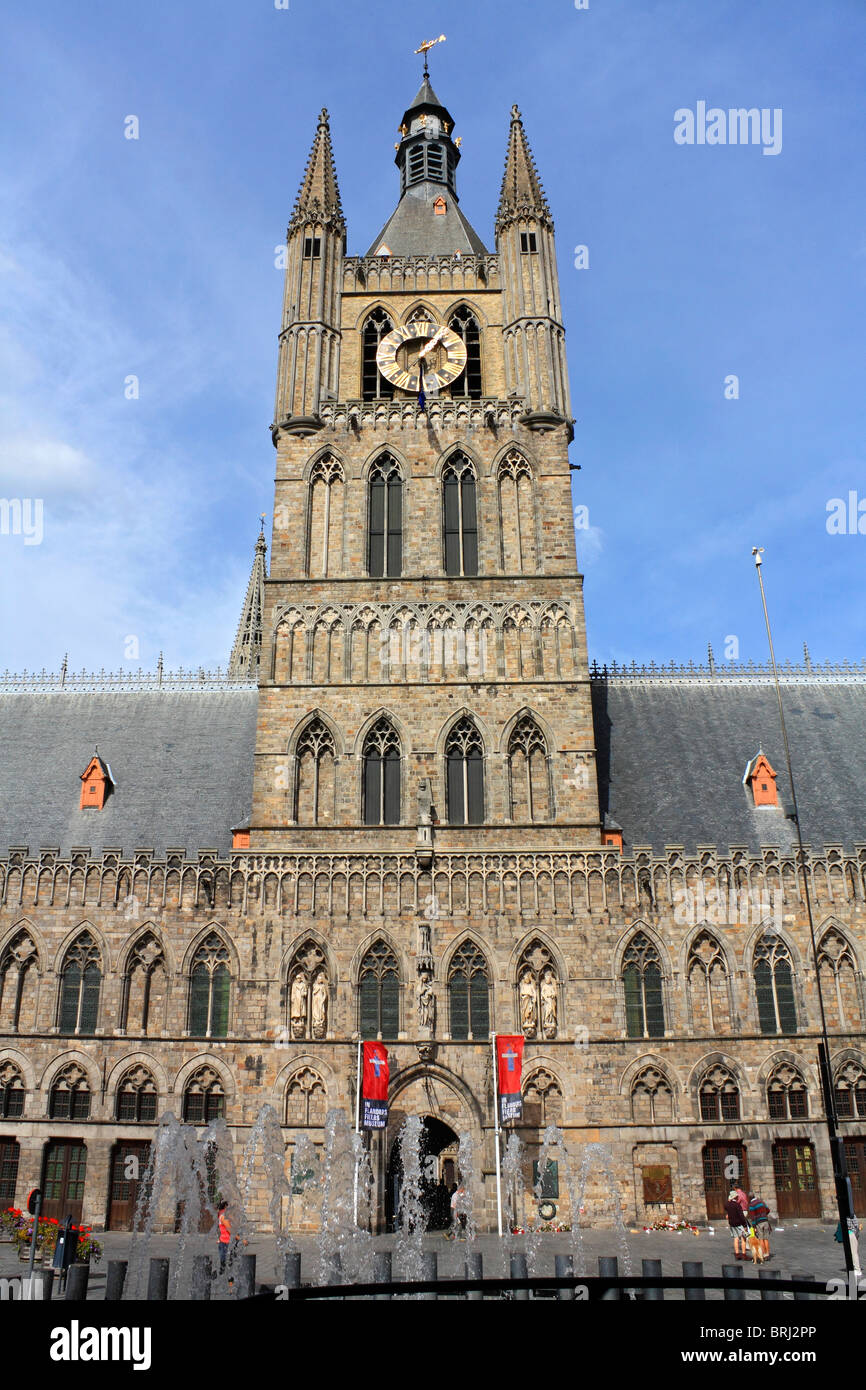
x=155 y=258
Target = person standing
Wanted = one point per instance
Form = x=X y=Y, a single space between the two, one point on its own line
x=737 y=1224
x=224 y=1233
x=758 y=1214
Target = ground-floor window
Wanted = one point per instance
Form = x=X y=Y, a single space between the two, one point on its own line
x=10 y=1153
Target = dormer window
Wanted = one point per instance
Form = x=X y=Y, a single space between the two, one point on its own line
x=439 y=206
x=97 y=784
x=760 y=779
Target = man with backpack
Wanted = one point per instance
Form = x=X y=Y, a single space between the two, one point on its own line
x=758 y=1215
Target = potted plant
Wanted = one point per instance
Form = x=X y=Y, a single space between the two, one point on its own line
x=88 y=1248
x=10 y=1219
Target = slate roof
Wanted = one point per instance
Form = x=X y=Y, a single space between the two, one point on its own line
x=414 y=229
x=671 y=758
x=182 y=763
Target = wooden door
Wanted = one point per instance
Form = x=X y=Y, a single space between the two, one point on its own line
x=63 y=1170
x=125 y=1182
x=719 y=1173
x=855 y=1156
x=796 y=1179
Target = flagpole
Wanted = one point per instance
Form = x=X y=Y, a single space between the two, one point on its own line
x=496 y=1136
x=357 y=1126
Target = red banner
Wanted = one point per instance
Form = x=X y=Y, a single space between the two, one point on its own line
x=375 y=1085
x=509 y=1067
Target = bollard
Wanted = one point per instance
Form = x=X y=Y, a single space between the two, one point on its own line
x=564 y=1269
x=202 y=1278
x=245 y=1282
x=76 y=1281
x=157 y=1281
x=115 y=1279
x=733 y=1272
x=473 y=1268
x=42 y=1285
x=382 y=1271
x=292 y=1269
x=520 y=1270
x=767 y=1295
x=652 y=1269
x=429 y=1270
x=694 y=1269
x=608 y=1267
x=804 y=1297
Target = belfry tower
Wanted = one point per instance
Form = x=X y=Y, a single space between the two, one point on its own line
x=424 y=673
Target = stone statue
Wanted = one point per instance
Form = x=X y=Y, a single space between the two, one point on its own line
x=549 y=1004
x=298 y=1007
x=320 y=1005
x=425 y=802
x=528 y=1004
x=426 y=1003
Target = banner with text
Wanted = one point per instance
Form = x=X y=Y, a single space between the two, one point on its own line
x=509 y=1065
x=375 y=1086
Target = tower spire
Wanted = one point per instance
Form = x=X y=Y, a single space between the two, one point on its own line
x=318 y=197
x=246 y=652
x=522 y=194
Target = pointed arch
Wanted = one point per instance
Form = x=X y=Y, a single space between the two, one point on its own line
x=376 y=325
x=81 y=973
x=641 y=973
x=773 y=977
x=210 y=975
x=381 y=762
x=309 y=991
x=385 y=477
x=420 y=312
x=539 y=988
x=517 y=497
x=651 y=1092
x=840 y=976
x=464 y=772
x=543 y=1101
x=326 y=509
x=19 y=979
x=469 y=982
x=530 y=779
x=145 y=983
x=379 y=991
x=13 y=1090
x=315 y=772
x=464 y=320
x=459 y=475
x=708 y=983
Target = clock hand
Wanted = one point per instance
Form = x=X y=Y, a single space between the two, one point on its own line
x=428 y=347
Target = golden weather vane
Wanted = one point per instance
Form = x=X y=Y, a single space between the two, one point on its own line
x=425 y=49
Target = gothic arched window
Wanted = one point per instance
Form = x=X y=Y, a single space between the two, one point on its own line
x=719 y=1095
x=469 y=993
x=147 y=987
x=18 y=984
x=652 y=1100
x=306 y=1099
x=542 y=1100
x=379 y=993
x=850 y=1092
x=203 y=1098
x=209 y=986
x=838 y=974
x=459 y=516
x=79 y=987
x=774 y=986
x=69 y=1098
x=315 y=775
x=11 y=1093
x=464 y=766
x=516 y=515
x=385 y=538
x=137 y=1097
x=528 y=772
x=707 y=976
x=642 y=982
x=465 y=324
x=787 y=1096
x=324 y=535
x=381 y=762
x=373 y=384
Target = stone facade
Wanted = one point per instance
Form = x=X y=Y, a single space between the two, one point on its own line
x=632 y=974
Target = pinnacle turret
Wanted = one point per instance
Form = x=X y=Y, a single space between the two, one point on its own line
x=246 y=652
x=522 y=194
x=318 y=197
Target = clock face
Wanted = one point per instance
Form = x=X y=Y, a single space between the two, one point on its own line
x=398 y=356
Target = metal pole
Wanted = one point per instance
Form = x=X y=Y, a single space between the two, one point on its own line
x=837 y=1147
x=496 y=1136
x=357 y=1127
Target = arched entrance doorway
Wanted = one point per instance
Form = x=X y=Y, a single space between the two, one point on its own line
x=439 y=1168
